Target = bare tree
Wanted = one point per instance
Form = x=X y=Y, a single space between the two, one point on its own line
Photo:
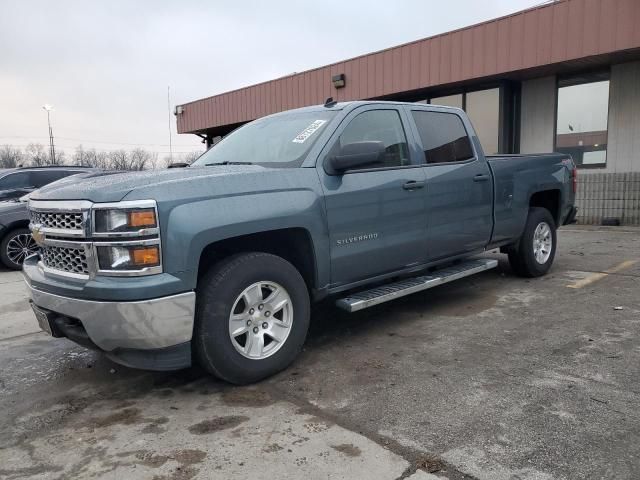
x=140 y=159
x=95 y=159
x=118 y=160
x=10 y=157
x=60 y=158
x=192 y=156
x=80 y=156
x=36 y=155
x=189 y=158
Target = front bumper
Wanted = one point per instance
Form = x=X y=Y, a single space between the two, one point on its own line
x=153 y=334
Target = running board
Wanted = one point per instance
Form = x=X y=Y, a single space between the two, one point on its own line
x=385 y=293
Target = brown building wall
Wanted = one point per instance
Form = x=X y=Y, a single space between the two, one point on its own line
x=565 y=31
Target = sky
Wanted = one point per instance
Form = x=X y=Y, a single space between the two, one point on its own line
x=105 y=66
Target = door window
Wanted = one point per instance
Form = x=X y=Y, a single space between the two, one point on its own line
x=444 y=138
x=379 y=126
x=15 y=181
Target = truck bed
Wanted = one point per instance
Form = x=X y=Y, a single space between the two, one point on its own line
x=515 y=177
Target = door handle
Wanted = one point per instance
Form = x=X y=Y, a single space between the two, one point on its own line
x=413 y=185
x=481 y=178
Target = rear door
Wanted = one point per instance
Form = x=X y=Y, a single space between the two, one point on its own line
x=375 y=215
x=459 y=191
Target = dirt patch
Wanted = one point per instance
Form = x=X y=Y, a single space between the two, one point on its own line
x=274 y=447
x=151 y=460
x=26 y=472
x=453 y=304
x=154 y=425
x=189 y=456
x=247 y=397
x=179 y=473
x=127 y=416
x=348 y=449
x=316 y=426
x=217 y=424
x=430 y=463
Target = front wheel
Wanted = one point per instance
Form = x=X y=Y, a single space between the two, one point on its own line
x=252 y=317
x=17 y=245
x=533 y=255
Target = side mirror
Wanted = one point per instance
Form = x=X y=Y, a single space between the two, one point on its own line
x=357 y=154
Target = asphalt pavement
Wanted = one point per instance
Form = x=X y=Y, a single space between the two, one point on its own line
x=490 y=377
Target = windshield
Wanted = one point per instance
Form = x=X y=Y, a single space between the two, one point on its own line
x=278 y=141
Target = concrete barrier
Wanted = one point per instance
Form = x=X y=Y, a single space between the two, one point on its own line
x=608 y=195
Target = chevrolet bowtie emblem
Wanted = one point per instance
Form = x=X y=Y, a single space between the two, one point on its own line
x=37 y=234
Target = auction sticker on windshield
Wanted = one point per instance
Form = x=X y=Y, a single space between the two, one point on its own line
x=307 y=132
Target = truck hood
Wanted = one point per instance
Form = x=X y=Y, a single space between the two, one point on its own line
x=115 y=186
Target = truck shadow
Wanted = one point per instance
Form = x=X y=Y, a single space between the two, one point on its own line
x=461 y=298
x=330 y=328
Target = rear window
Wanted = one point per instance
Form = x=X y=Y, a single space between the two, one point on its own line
x=444 y=138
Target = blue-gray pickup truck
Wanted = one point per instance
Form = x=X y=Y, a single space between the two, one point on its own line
x=218 y=263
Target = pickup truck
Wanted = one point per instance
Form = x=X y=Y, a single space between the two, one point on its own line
x=218 y=263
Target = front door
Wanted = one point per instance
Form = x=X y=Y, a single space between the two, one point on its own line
x=376 y=216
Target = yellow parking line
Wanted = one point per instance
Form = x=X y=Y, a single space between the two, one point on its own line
x=623 y=266
x=594 y=277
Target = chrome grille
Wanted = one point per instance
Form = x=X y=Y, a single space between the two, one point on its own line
x=71 y=260
x=64 y=221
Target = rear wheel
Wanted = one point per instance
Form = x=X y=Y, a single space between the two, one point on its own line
x=252 y=317
x=17 y=245
x=533 y=255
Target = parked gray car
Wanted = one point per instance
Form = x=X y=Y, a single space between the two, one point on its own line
x=16 y=242
x=16 y=182
x=363 y=201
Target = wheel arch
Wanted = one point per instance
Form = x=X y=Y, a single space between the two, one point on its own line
x=549 y=199
x=293 y=244
x=10 y=227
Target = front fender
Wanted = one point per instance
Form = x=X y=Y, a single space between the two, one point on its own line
x=192 y=226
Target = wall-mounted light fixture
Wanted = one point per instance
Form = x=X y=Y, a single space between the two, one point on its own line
x=338 y=80
x=178 y=110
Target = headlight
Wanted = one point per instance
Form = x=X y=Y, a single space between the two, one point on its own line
x=125 y=220
x=125 y=258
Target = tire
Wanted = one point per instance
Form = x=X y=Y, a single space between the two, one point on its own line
x=230 y=288
x=538 y=231
x=15 y=247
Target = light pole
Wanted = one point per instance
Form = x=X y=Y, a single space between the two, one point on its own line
x=52 y=149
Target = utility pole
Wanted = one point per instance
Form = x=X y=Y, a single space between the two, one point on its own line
x=169 y=113
x=52 y=148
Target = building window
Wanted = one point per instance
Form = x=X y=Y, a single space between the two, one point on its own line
x=483 y=108
x=581 y=122
x=448 y=101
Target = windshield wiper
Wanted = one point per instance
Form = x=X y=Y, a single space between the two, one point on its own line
x=227 y=163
